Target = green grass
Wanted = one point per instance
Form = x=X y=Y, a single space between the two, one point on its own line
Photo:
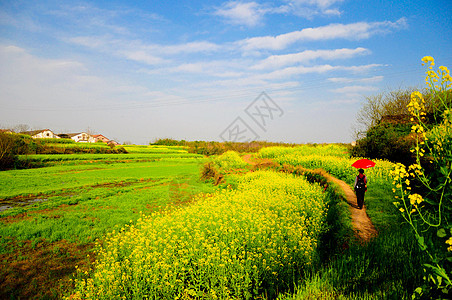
x=84 y=197
x=63 y=177
x=89 y=213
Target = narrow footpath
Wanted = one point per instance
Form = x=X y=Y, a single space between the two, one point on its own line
x=362 y=225
x=361 y=222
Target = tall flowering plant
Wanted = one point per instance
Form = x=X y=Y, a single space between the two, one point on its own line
x=423 y=189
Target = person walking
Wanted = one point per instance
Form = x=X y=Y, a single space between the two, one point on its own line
x=360 y=188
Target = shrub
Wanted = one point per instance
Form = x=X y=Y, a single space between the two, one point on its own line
x=386 y=141
x=210 y=172
x=229 y=160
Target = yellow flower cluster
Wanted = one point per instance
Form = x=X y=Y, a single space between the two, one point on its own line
x=415 y=199
x=433 y=77
x=416 y=107
x=428 y=59
x=227 y=245
x=415 y=170
x=402 y=187
x=400 y=176
x=449 y=242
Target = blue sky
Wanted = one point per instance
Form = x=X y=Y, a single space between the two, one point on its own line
x=195 y=70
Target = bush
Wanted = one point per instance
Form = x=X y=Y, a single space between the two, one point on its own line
x=210 y=172
x=229 y=161
x=12 y=145
x=386 y=141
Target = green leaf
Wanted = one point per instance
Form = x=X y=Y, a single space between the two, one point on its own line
x=441 y=233
x=420 y=241
x=444 y=170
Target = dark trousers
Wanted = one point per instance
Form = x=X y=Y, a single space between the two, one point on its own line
x=360 y=198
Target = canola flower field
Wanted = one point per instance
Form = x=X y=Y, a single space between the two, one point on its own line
x=161 y=232
x=230 y=244
x=331 y=158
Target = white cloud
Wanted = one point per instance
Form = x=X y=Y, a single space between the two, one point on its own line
x=151 y=54
x=219 y=68
x=319 y=69
x=141 y=56
x=354 y=31
x=311 y=8
x=36 y=83
x=241 y=13
x=355 y=89
x=251 y=13
x=277 y=61
x=191 y=47
x=349 y=80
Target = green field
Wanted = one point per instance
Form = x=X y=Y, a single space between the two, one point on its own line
x=143 y=224
x=76 y=199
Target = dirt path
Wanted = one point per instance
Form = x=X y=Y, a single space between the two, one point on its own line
x=361 y=222
x=362 y=225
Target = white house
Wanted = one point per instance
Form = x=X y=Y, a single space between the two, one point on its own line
x=100 y=137
x=41 y=134
x=81 y=137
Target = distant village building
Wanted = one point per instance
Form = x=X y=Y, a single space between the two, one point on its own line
x=113 y=142
x=81 y=137
x=41 y=134
x=100 y=137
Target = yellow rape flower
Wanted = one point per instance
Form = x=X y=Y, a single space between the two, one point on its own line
x=428 y=59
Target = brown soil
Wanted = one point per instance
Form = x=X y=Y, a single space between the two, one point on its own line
x=42 y=270
x=362 y=225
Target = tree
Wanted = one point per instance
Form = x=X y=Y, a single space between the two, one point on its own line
x=21 y=128
x=392 y=103
x=7 y=153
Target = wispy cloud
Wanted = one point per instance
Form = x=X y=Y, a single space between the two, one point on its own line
x=137 y=50
x=218 y=68
x=252 y=13
x=353 y=31
x=68 y=83
x=311 y=8
x=241 y=13
x=355 y=89
x=319 y=69
x=278 y=61
x=378 y=78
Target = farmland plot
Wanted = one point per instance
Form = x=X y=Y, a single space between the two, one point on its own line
x=51 y=216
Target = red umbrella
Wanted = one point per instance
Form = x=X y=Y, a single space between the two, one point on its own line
x=363 y=164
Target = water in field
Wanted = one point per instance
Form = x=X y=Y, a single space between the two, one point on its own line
x=11 y=203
